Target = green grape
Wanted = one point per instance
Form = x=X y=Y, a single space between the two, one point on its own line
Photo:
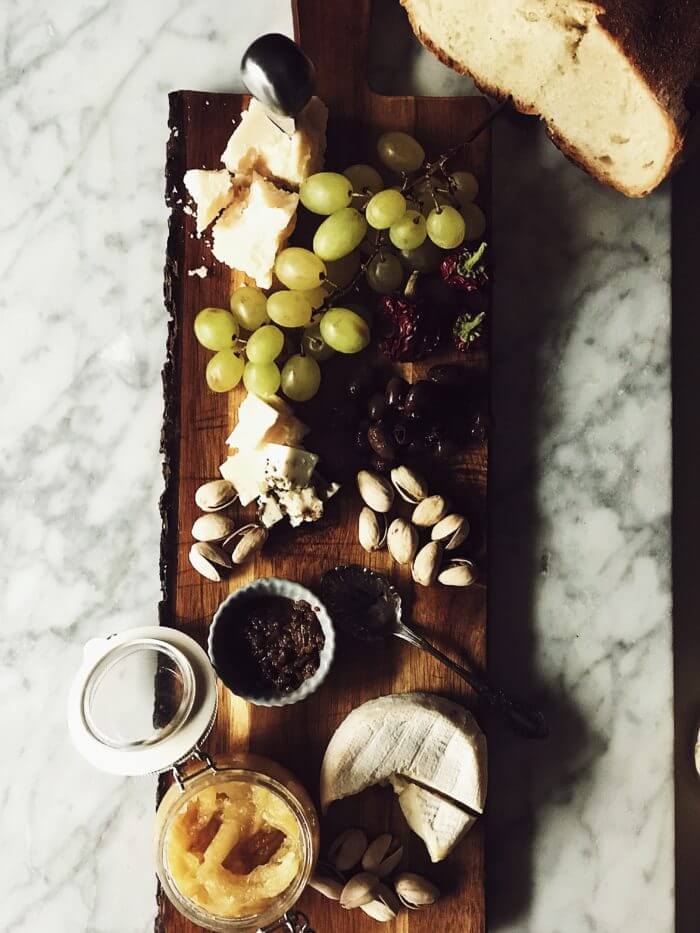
x=216 y=328
x=446 y=227
x=262 y=378
x=425 y=258
x=385 y=208
x=265 y=345
x=316 y=296
x=409 y=231
x=474 y=220
x=427 y=200
x=249 y=307
x=369 y=244
x=343 y=271
x=339 y=234
x=299 y=269
x=400 y=152
x=224 y=371
x=464 y=186
x=344 y=330
x=315 y=345
x=384 y=274
x=364 y=178
x=289 y=309
x=301 y=377
x=325 y=192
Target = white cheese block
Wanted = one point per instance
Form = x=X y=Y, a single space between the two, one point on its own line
x=252 y=230
x=265 y=422
x=246 y=471
x=288 y=467
x=212 y=191
x=258 y=145
x=413 y=737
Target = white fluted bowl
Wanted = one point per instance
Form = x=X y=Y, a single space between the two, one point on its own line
x=267 y=587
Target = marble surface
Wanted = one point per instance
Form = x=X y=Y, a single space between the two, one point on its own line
x=580 y=833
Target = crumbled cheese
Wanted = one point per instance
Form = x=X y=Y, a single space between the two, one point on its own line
x=202 y=272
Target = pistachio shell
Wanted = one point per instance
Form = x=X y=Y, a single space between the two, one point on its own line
x=415 y=891
x=429 y=512
x=376 y=492
x=359 y=890
x=427 y=563
x=457 y=572
x=207 y=559
x=384 y=907
x=409 y=485
x=371 y=529
x=382 y=856
x=329 y=887
x=216 y=495
x=347 y=850
x=451 y=531
x=245 y=542
x=213 y=527
x=402 y=541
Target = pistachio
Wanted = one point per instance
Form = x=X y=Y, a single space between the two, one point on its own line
x=429 y=512
x=329 y=887
x=427 y=563
x=382 y=856
x=409 y=485
x=402 y=541
x=450 y=531
x=359 y=890
x=415 y=891
x=376 y=492
x=371 y=529
x=384 y=907
x=245 y=542
x=219 y=494
x=207 y=559
x=212 y=527
x=348 y=849
x=457 y=572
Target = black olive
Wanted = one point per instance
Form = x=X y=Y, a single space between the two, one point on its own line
x=278 y=73
x=444 y=447
x=360 y=436
x=476 y=428
x=379 y=465
x=376 y=407
x=420 y=399
x=451 y=374
x=361 y=385
x=381 y=440
x=395 y=392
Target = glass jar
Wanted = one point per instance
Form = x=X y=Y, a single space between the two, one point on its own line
x=141 y=703
x=253 y=771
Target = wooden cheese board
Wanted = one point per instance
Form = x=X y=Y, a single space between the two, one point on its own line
x=197 y=422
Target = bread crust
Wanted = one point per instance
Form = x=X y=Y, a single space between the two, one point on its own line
x=661 y=40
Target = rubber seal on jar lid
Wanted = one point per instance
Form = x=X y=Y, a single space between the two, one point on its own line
x=141 y=700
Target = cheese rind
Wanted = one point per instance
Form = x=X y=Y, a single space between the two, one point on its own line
x=212 y=191
x=253 y=229
x=404 y=738
x=257 y=145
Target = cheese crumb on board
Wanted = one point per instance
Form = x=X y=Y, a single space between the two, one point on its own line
x=200 y=271
x=212 y=191
x=257 y=145
x=253 y=229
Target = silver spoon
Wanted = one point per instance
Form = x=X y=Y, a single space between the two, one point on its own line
x=368 y=606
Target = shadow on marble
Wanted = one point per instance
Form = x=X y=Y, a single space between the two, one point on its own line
x=686 y=521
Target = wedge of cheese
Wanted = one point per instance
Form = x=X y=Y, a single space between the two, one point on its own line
x=263 y=421
x=253 y=229
x=255 y=472
x=257 y=145
x=211 y=191
x=429 y=749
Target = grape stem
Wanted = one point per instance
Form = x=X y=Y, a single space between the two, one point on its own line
x=340 y=292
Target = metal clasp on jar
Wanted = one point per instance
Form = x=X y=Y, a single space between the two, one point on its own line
x=294 y=921
x=197 y=754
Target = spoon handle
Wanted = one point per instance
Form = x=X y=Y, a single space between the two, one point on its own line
x=521 y=717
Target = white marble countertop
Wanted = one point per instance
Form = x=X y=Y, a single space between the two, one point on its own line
x=580 y=833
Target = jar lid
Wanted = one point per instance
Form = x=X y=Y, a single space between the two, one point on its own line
x=141 y=700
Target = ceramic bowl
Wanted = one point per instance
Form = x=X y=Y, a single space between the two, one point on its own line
x=273 y=586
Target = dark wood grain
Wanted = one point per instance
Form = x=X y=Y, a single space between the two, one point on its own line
x=197 y=422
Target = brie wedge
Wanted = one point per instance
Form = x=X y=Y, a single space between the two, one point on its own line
x=429 y=749
x=257 y=145
x=253 y=229
x=211 y=191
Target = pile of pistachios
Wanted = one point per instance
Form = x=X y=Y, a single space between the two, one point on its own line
x=362 y=874
x=430 y=562
x=219 y=546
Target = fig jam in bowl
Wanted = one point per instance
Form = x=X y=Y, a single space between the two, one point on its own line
x=272 y=642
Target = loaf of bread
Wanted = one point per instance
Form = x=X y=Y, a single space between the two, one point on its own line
x=608 y=77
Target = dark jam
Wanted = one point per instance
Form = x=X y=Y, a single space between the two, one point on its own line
x=271 y=643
